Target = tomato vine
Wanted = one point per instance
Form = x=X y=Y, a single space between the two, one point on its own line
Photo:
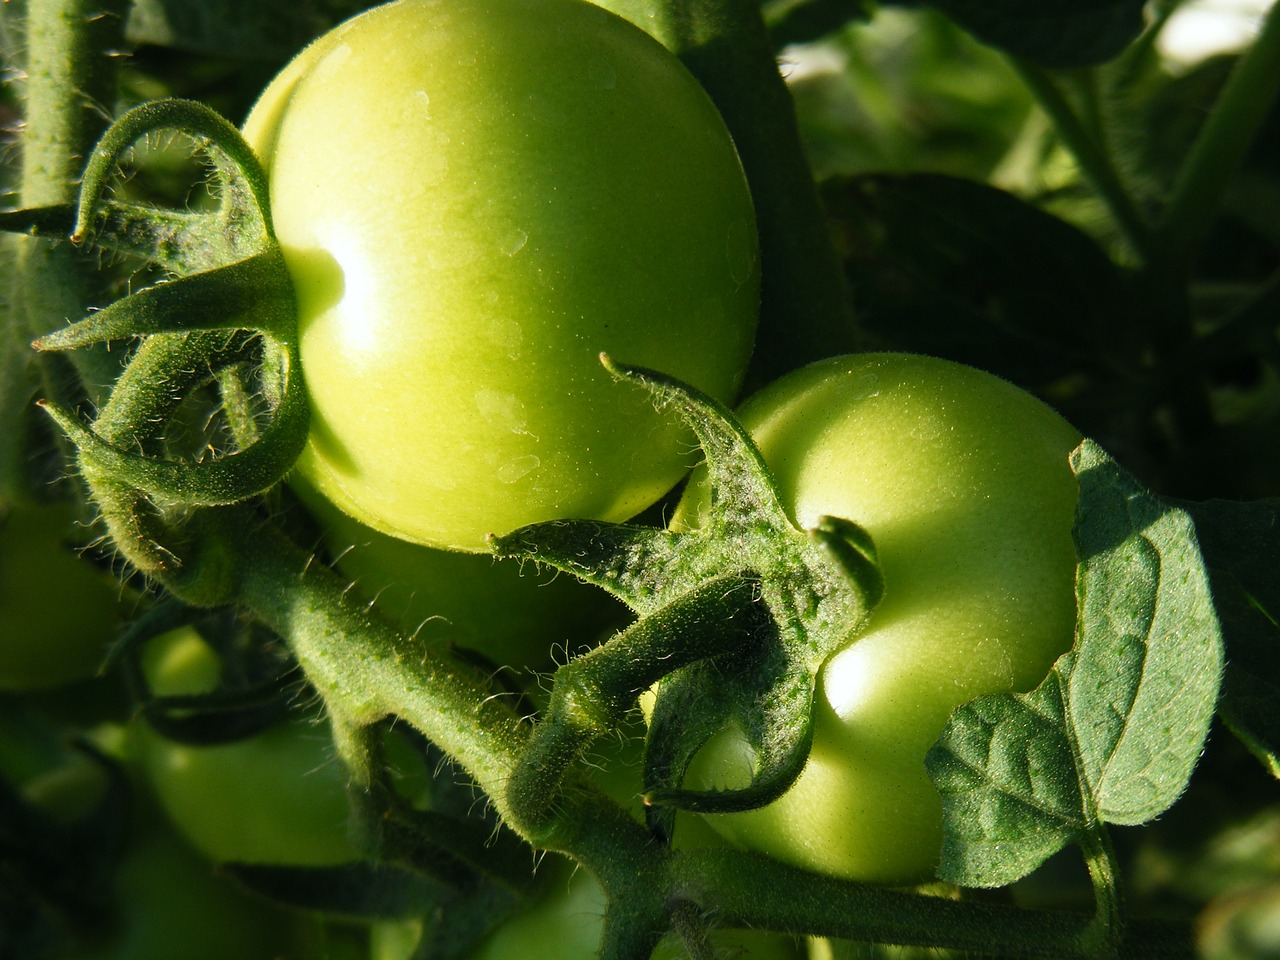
x=181 y=408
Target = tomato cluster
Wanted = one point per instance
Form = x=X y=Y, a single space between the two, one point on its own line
x=559 y=186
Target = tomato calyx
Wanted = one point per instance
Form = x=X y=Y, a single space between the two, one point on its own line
x=735 y=619
x=225 y=324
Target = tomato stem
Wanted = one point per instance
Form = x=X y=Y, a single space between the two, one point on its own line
x=69 y=75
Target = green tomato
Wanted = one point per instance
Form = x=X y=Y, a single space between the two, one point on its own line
x=569 y=918
x=476 y=198
x=566 y=923
x=513 y=615
x=57 y=612
x=278 y=796
x=963 y=482
x=160 y=898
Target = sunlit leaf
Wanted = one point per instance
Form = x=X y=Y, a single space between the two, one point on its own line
x=1113 y=733
x=1051 y=32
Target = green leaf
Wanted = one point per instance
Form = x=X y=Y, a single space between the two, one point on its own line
x=243 y=29
x=955 y=268
x=1113 y=733
x=1051 y=32
x=1241 y=544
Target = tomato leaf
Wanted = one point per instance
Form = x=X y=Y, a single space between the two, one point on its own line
x=1112 y=734
x=1242 y=550
x=1050 y=32
x=955 y=268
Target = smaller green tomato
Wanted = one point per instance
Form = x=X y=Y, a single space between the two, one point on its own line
x=162 y=900
x=963 y=482
x=510 y=613
x=566 y=924
x=278 y=796
x=57 y=612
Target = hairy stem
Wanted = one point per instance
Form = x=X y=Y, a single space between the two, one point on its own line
x=367 y=671
x=70 y=71
x=741 y=889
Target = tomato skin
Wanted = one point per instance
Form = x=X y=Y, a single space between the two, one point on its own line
x=963 y=482
x=57 y=612
x=468 y=225
x=511 y=614
x=278 y=796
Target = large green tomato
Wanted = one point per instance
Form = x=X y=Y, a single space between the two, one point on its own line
x=475 y=199
x=278 y=796
x=963 y=482
x=57 y=612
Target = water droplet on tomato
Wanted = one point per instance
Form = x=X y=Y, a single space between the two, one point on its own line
x=515 y=470
x=514 y=242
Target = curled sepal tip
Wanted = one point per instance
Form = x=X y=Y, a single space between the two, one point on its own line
x=718 y=663
x=243 y=199
x=224 y=319
x=227 y=480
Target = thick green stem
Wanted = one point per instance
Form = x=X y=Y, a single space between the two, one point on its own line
x=741 y=889
x=72 y=48
x=805 y=312
x=367 y=671
x=1108 y=914
x=1227 y=134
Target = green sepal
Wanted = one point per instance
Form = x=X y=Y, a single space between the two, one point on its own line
x=228 y=319
x=816 y=589
x=239 y=226
x=222 y=482
x=182 y=306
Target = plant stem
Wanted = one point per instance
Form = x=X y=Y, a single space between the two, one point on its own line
x=805 y=310
x=364 y=669
x=742 y=889
x=70 y=73
x=1089 y=153
x=1223 y=142
x=1103 y=874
